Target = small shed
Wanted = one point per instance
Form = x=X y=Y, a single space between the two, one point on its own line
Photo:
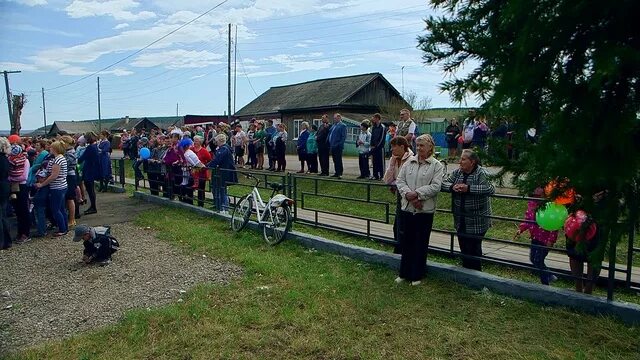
x=194 y=120
x=139 y=124
x=72 y=128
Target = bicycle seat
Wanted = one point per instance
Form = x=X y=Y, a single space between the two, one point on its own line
x=276 y=186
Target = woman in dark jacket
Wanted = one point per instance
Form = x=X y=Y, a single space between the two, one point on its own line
x=5 y=236
x=104 y=153
x=225 y=173
x=90 y=170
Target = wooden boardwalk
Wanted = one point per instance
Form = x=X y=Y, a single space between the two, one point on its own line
x=442 y=241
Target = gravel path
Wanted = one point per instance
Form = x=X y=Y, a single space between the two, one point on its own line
x=47 y=293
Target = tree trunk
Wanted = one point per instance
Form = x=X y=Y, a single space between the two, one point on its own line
x=18 y=103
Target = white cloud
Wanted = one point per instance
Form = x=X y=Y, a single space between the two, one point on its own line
x=32 y=28
x=177 y=59
x=120 y=26
x=31 y=2
x=298 y=62
x=118 y=72
x=131 y=40
x=197 y=76
x=79 y=71
x=19 y=66
x=118 y=9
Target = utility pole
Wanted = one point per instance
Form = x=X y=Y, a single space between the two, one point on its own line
x=235 y=66
x=44 y=113
x=229 y=78
x=177 y=104
x=99 y=113
x=6 y=84
x=403 y=82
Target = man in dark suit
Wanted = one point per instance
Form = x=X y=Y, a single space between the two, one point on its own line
x=378 y=134
x=337 y=137
x=322 y=138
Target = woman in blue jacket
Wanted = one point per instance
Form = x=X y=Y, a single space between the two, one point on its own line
x=225 y=173
x=104 y=152
x=90 y=169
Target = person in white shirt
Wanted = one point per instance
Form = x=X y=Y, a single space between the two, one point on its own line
x=363 y=144
x=239 y=141
x=418 y=184
x=190 y=161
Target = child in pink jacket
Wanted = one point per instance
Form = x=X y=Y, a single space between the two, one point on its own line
x=541 y=240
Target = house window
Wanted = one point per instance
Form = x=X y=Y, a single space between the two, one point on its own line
x=296 y=128
x=317 y=122
x=352 y=134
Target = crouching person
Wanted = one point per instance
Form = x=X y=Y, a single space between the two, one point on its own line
x=98 y=248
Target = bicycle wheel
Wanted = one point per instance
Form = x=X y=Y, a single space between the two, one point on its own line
x=241 y=213
x=277 y=225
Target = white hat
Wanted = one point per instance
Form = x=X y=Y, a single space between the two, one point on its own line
x=176 y=131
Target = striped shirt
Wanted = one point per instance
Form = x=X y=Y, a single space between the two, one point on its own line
x=60 y=183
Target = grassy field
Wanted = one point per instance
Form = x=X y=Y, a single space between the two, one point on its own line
x=298 y=303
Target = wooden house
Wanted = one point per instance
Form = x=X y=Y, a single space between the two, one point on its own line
x=355 y=97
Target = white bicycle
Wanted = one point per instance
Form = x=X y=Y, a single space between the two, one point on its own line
x=274 y=215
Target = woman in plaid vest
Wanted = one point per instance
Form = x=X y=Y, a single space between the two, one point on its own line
x=470 y=189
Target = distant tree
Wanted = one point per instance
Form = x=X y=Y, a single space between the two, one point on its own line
x=569 y=69
x=391 y=110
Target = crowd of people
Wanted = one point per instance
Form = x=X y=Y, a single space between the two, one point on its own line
x=44 y=182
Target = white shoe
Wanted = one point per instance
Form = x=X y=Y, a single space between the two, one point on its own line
x=553 y=278
x=224 y=212
x=399 y=280
x=416 y=283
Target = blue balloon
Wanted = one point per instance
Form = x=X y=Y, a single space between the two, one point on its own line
x=145 y=153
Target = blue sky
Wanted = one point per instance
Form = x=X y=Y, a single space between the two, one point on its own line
x=56 y=43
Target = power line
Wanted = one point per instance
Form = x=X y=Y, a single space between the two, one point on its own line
x=343 y=56
x=331 y=35
x=244 y=71
x=341 y=20
x=142 y=49
x=339 y=42
x=167 y=88
x=174 y=74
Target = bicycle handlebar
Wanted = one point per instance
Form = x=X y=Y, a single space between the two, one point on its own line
x=249 y=176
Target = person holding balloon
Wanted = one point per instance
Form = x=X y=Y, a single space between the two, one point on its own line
x=143 y=155
x=579 y=228
x=154 y=163
x=582 y=240
x=541 y=239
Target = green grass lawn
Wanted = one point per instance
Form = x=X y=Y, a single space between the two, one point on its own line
x=298 y=303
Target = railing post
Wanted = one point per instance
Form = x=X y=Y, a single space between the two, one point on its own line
x=632 y=229
x=121 y=172
x=295 y=196
x=613 y=239
x=135 y=178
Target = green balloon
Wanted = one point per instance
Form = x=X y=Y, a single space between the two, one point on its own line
x=552 y=216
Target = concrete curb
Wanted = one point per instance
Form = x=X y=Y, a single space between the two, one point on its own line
x=547 y=295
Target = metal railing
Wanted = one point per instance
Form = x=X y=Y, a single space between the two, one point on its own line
x=169 y=185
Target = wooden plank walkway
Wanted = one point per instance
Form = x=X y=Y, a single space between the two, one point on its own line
x=442 y=241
